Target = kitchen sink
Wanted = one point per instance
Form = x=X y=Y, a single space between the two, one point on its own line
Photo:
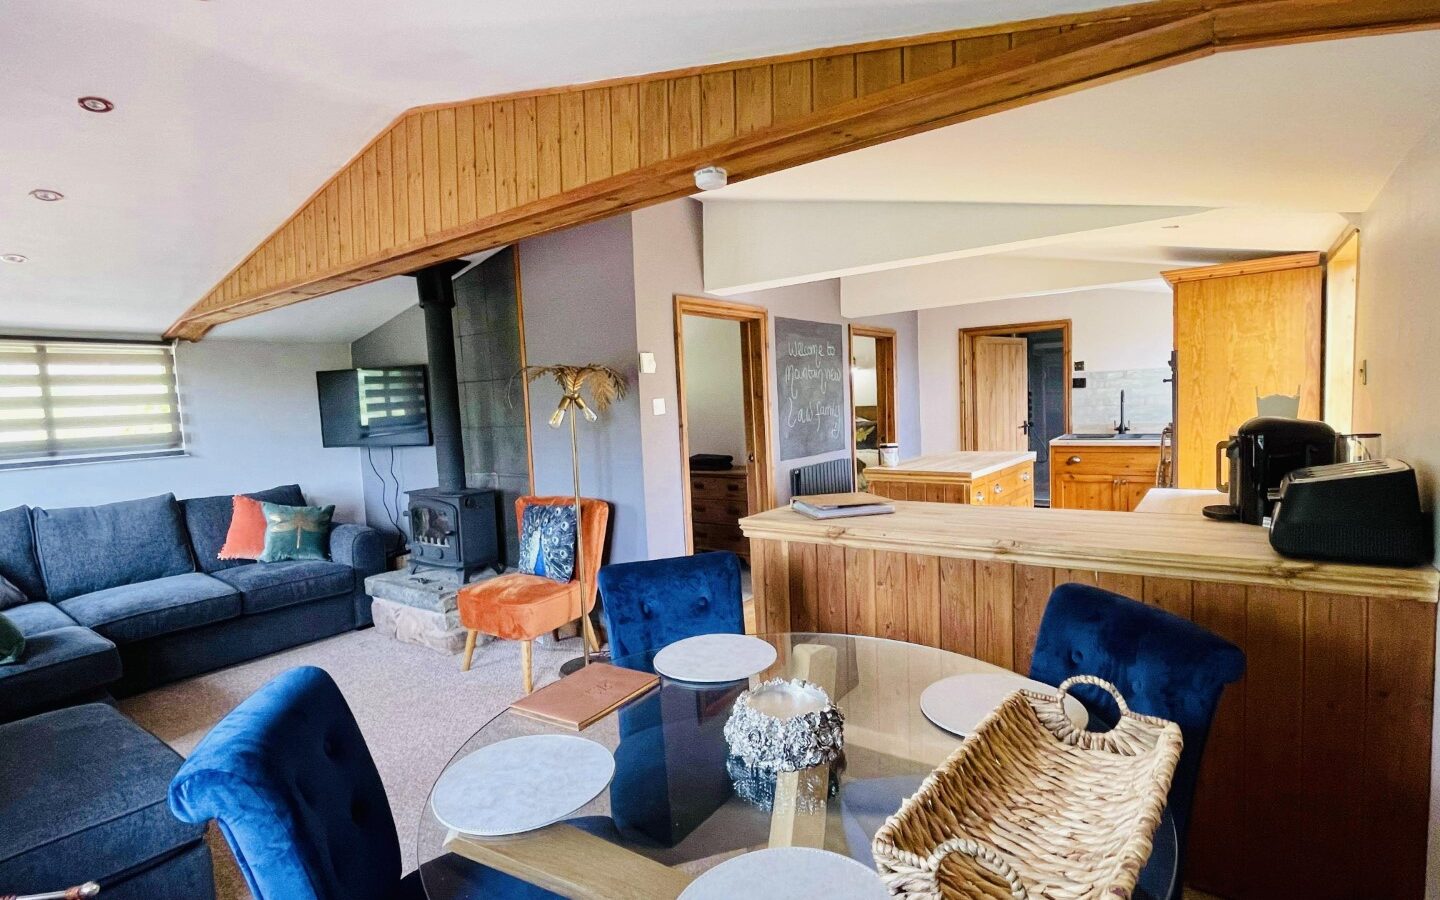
x=1109 y=436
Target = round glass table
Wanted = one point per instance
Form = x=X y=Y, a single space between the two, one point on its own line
x=674 y=809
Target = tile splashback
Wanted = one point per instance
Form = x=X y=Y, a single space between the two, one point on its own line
x=1096 y=406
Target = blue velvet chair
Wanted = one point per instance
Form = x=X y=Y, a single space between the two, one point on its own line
x=1164 y=666
x=657 y=602
x=291 y=782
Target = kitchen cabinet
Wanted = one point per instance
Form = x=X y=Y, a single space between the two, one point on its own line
x=1104 y=477
x=974 y=477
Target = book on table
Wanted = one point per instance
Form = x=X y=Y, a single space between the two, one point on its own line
x=838 y=506
x=584 y=697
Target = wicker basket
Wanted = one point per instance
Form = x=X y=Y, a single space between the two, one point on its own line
x=1032 y=807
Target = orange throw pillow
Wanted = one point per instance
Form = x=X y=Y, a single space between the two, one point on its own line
x=246 y=538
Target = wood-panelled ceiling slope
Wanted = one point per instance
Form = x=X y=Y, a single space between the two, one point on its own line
x=453 y=179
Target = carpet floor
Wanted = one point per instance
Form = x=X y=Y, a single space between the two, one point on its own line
x=415 y=708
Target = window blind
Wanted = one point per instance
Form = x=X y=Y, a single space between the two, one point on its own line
x=71 y=401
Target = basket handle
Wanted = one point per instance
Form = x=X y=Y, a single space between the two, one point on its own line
x=981 y=854
x=1112 y=690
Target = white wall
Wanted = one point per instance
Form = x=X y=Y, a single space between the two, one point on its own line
x=252 y=421
x=1109 y=330
x=1397 y=331
x=714 y=387
x=667 y=256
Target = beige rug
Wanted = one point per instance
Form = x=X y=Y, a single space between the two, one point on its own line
x=415 y=708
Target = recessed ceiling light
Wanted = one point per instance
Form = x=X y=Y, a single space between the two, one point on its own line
x=47 y=195
x=95 y=104
x=14 y=258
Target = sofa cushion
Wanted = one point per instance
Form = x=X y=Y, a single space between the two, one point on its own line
x=85 y=549
x=34 y=618
x=133 y=612
x=266 y=586
x=207 y=519
x=17 y=553
x=59 y=663
x=84 y=793
x=296 y=532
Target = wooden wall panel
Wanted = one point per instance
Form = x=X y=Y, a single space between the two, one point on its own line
x=922 y=599
x=1334 y=692
x=1318 y=757
x=995 y=612
x=1275 y=660
x=1033 y=585
x=830 y=572
x=1217 y=822
x=1399 y=703
x=860 y=592
x=957 y=605
x=548 y=146
x=891 y=612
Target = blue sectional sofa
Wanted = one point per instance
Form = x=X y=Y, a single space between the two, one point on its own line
x=131 y=595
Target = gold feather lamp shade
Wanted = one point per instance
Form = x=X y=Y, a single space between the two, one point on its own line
x=605 y=384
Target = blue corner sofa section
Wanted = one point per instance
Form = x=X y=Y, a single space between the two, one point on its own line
x=131 y=595
x=83 y=797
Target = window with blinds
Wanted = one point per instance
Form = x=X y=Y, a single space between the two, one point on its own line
x=72 y=401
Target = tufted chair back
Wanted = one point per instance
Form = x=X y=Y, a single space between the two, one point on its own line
x=657 y=602
x=1164 y=666
x=296 y=793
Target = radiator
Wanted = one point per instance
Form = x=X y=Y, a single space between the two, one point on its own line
x=831 y=477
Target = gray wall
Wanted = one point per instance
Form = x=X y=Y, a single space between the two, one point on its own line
x=579 y=304
x=252 y=421
x=667 y=259
x=399 y=342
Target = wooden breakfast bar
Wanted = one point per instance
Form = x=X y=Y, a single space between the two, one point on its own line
x=1316 y=779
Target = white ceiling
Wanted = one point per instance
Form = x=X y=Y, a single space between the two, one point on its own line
x=1277 y=147
x=229 y=114
x=1312 y=126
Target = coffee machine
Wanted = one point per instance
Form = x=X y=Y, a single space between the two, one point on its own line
x=1262 y=452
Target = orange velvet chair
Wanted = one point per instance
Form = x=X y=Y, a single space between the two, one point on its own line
x=520 y=607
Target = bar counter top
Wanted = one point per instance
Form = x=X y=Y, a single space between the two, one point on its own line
x=961 y=464
x=1152 y=544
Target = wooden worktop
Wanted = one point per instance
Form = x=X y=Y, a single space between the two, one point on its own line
x=1171 y=546
x=961 y=464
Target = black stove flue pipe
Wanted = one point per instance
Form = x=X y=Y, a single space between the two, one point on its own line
x=437 y=299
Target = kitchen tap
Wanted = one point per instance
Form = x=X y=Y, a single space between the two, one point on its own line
x=1122 y=428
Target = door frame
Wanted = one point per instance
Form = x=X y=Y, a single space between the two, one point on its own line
x=755 y=385
x=967 y=368
x=887 y=428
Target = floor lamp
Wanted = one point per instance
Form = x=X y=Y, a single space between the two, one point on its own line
x=606 y=385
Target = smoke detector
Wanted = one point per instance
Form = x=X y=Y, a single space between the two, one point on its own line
x=711 y=178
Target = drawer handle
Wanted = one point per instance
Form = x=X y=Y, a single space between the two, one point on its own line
x=1073 y=460
x=1024 y=476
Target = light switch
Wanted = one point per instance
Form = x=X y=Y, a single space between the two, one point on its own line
x=647 y=367
x=658 y=405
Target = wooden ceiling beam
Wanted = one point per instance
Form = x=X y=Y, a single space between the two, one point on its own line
x=451 y=180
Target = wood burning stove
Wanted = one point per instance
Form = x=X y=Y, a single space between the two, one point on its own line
x=451 y=526
x=453 y=529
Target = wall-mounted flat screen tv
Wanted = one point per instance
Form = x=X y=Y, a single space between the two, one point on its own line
x=374 y=407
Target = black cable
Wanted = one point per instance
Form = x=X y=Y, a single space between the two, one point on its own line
x=385 y=496
x=397 y=498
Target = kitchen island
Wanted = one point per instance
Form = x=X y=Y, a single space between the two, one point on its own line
x=976 y=477
x=1319 y=757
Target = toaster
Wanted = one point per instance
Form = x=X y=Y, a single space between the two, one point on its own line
x=1356 y=512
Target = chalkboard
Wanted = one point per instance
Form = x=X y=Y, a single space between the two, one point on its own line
x=810 y=379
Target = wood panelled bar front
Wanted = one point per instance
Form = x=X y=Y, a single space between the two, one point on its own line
x=1316 y=779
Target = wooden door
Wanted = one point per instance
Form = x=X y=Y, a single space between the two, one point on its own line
x=1001 y=394
x=1241 y=330
x=1130 y=490
x=1080 y=491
